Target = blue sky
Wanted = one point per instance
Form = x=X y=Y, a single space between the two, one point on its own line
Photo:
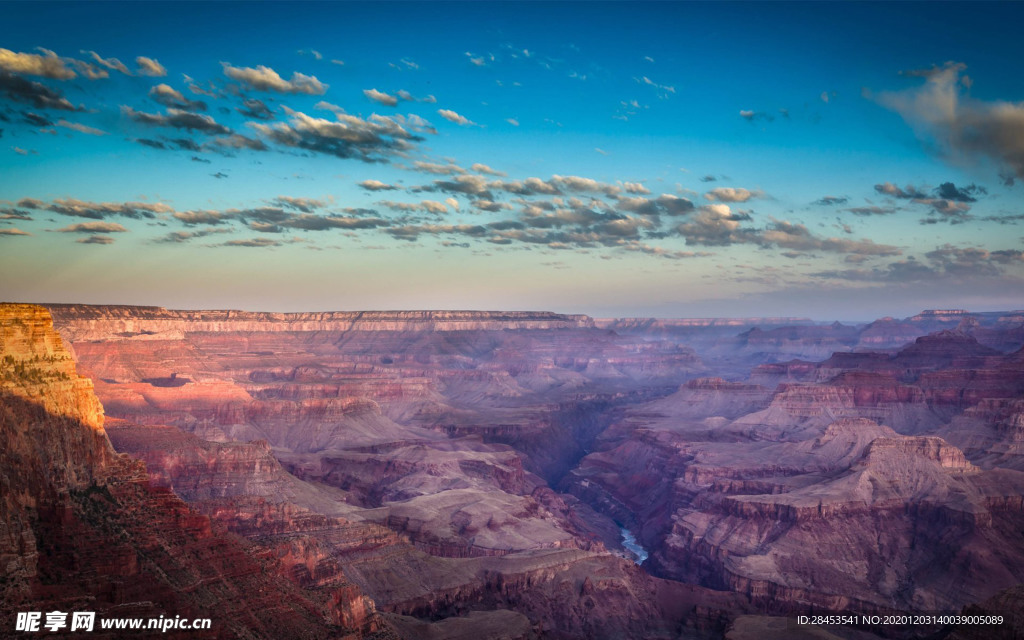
x=829 y=160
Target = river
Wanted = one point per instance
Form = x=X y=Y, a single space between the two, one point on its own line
x=631 y=545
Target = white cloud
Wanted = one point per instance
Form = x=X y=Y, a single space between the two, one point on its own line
x=437 y=168
x=661 y=87
x=377 y=185
x=171 y=97
x=451 y=116
x=150 y=67
x=47 y=66
x=370 y=140
x=433 y=206
x=110 y=63
x=731 y=194
x=266 y=79
x=483 y=168
x=81 y=128
x=381 y=97
x=94 y=227
x=481 y=60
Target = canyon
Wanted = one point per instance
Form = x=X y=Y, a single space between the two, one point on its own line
x=450 y=474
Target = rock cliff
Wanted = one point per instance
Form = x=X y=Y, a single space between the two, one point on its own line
x=82 y=529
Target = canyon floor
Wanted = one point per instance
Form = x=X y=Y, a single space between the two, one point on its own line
x=478 y=475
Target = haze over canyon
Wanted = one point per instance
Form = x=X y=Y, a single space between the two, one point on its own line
x=443 y=474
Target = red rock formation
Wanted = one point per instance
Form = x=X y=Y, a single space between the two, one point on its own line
x=81 y=528
x=38 y=367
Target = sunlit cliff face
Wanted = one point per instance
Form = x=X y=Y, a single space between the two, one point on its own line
x=34 y=364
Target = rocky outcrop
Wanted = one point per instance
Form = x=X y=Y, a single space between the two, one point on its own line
x=36 y=365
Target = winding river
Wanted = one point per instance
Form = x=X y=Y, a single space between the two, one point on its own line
x=631 y=545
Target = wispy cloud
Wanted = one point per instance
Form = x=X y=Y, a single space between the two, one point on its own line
x=178 y=237
x=179 y=119
x=480 y=60
x=479 y=167
x=96 y=240
x=97 y=210
x=751 y=116
x=947 y=202
x=404 y=63
x=451 y=116
x=94 y=227
x=872 y=210
x=81 y=128
x=963 y=127
x=254 y=242
x=373 y=139
x=945 y=263
x=377 y=185
x=662 y=88
x=38 y=95
x=109 y=63
x=254 y=108
x=437 y=168
x=168 y=96
x=731 y=194
x=381 y=97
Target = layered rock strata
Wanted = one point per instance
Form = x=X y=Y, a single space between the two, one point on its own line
x=879 y=482
x=82 y=529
